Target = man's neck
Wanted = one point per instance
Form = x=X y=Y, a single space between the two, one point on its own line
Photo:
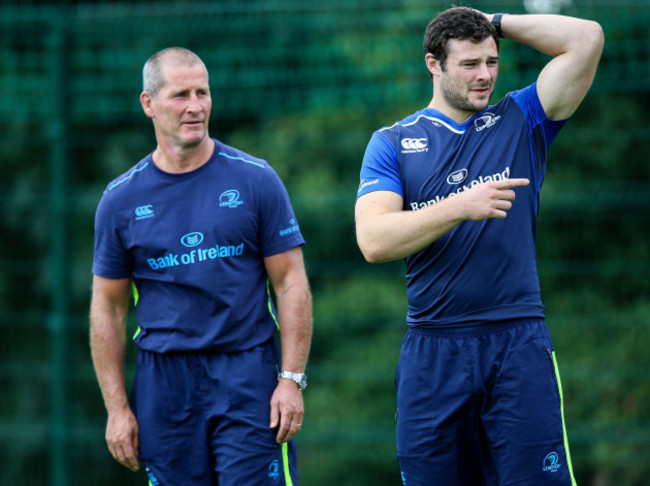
x=459 y=116
x=177 y=160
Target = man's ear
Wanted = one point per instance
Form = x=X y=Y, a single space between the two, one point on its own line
x=146 y=100
x=433 y=65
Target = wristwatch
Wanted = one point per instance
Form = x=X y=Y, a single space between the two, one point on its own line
x=496 y=22
x=299 y=378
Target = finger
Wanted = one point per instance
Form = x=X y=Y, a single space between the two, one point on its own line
x=123 y=457
x=296 y=423
x=497 y=214
x=505 y=195
x=114 y=453
x=290 y=433
x=125 y=454
x=508 y=183
x=132 y=460
x=120 y=456
x=288 y=425
x=133 y=448
x=503 y=204
x=283 y=434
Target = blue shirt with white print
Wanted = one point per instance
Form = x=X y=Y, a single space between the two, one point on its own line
x=481 y=271
x=193 y=245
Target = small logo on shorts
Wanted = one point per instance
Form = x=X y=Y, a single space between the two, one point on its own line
x=274 y=469
x=551 y=462
x=153 y=480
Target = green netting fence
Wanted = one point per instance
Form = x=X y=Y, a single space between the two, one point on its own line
x=303 y=84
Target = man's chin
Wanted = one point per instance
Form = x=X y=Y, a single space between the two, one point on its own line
x=481 y=104
x=193 y=140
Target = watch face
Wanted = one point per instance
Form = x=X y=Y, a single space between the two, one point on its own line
x=299 y=378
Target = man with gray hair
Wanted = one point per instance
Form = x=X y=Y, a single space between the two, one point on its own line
x=196 y=231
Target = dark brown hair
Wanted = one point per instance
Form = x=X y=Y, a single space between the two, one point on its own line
x=460 y=23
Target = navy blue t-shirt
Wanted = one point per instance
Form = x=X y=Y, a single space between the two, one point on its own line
x=194 y=244
x=481 y=271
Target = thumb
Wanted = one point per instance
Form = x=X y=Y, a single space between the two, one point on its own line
x=275 y=416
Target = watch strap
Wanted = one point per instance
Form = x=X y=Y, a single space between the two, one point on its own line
x=299 y=379
x=496 y=23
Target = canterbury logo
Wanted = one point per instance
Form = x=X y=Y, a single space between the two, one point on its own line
x=414 y=144
x=142 y=212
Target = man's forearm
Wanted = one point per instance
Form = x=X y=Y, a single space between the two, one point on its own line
x=551 y=34
x=295 y=316
x=396 y=235
x=575 y=46
x=108 y=349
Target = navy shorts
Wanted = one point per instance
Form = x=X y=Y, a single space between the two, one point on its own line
x=204 y=419
x=481 y=406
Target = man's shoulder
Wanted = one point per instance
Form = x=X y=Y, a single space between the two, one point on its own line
x=238 y=157
x=523 y=98
x=130 y=177
x=407 y=122
x=405 y=132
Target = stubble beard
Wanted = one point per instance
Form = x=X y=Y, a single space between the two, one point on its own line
x=461 y=102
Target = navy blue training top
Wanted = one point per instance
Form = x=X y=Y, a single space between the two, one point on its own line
x=481 y=271
x=194 y=244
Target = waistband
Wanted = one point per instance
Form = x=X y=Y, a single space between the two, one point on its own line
x=474 y=330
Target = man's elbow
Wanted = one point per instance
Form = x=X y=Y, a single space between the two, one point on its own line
x=594 y=37
x=373 y=253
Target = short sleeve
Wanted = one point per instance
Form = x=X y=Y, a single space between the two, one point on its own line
x=279 y=228
x=380 y=169
x=111 y=259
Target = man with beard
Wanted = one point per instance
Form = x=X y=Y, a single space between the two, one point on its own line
x=478 y=394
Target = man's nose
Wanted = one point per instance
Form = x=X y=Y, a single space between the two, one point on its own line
x=193 y=103
x=483 y=71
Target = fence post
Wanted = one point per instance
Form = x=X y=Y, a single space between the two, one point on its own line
x=59 y=246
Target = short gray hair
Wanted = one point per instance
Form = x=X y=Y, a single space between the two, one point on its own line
x=152 y=74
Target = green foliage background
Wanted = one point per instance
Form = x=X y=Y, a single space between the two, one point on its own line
x=303 y=84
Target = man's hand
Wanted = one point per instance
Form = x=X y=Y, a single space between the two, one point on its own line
x=490 y=199
x=122 y=437
x=287 y=410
